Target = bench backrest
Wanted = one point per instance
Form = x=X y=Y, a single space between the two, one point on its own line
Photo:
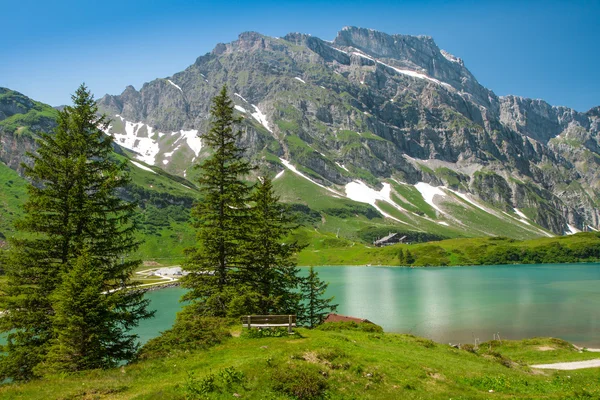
x=268 y=319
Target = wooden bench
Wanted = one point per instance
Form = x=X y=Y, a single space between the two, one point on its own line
x=269 y=321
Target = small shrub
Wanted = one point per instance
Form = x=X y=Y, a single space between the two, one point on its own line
x=330 y=354
x=189 y=332
x=427 y=343
x=262 y=333
x=198 y=388
x=230 y=376
x=351 y=326
x=468 y=347
x=303 y=381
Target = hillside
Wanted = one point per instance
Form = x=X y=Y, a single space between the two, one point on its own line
x=368 y=132
x=164 y=199
x=368 y=110
x=341 y=363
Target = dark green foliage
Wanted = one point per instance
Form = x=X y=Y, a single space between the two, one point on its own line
x=553 y=252
x=88 y=324
x=405 y=257
x=409 y=259
x=432 y=255
x=226 y=378
x=300 y=380
x=315 y=308
x=222 y=218
x=372 y=233
x=74 y=227
x=189 y=332
x=352 y=211
x=304 y=214
x=272 y=271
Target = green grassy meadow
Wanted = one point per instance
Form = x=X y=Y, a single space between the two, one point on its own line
x=344 y=362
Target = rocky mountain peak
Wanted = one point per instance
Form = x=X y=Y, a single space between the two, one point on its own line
x=380 y=44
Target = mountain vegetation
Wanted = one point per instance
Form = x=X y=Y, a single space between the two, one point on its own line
x=241 y=265
x=64 y=307
x=336 y=361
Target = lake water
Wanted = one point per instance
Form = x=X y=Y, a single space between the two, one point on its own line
x=454 y=304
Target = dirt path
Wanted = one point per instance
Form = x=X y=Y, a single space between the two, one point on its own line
x=570 y=365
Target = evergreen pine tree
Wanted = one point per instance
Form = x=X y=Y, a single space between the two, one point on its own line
x=315 y=307
x=272 y=271
x=221 y=218
x=409 y=259
x=401 y=257
x=90 y=324
x=72 y=209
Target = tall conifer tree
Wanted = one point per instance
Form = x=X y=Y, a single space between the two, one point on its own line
x=315 y=307
x=222 y=217
x=72 y=211
x=272 y=270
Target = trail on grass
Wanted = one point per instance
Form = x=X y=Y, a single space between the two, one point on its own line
x=567 y=366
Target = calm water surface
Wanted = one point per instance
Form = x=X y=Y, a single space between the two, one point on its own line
x=454 y=304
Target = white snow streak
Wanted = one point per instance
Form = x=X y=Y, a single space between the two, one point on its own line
x=140 y=166
x=359 y=191
x=174 y=84
x=522 y=217
x=240 y=108
x=342 y=166
x=279 y=174
x=240 y=96
x=145 y=146
x=572 y=230
x=289 y=166
x=192 y=139
x=466 y=198
x=429 y=192
x=299 y=79
x=450 y=57
x=136 y=139
x=261 y=118
x=408 y=72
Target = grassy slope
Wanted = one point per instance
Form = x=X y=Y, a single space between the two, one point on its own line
x=165 y=242
x=350 y=365
x=13 y=191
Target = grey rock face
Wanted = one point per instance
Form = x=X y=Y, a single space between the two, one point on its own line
x=369 y=100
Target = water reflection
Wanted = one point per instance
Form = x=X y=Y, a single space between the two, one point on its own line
x=455 y=304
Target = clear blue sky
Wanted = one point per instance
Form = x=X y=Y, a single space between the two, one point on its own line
x=539 y=49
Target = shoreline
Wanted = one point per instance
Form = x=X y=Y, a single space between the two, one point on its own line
x=446 y=266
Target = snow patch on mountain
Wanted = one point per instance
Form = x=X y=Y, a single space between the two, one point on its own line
x=522 y=217
x=261 y=118
x=289 y=166
x=359 y=191
x=240 y=109
x=174 y=84
x=342 y=166
x=466 y=198
x=137 y=138
x=429 y=192
x=279 y=174
x=299 y=79
x=451 y=57
x=140 y=166
x=240 y=96
x=572 y=230
x=193 y=140
x=408 y=72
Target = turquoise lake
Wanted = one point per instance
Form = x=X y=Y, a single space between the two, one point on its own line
x=453 y=304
